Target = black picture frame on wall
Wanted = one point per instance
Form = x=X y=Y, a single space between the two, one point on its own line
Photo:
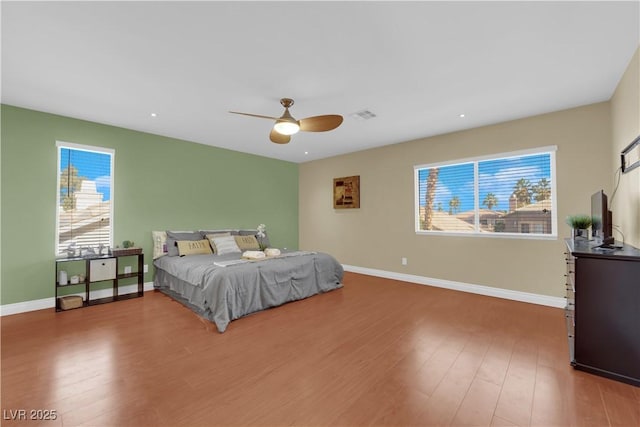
x=630 y=156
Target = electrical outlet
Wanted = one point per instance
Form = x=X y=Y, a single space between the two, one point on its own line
x=404 y=261
x=145 y=269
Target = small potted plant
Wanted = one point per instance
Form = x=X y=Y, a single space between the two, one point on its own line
x=579 y=226
x=128 y=248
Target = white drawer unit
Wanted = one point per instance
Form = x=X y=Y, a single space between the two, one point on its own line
x=102 y=269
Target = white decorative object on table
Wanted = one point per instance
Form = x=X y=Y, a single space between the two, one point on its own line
x=253 y=255
x=271 y=252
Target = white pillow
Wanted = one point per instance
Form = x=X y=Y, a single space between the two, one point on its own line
x=210 y=239
x=224 y=245
x=159 y=243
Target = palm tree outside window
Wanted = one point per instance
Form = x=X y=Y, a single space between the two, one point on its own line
x=510 y=194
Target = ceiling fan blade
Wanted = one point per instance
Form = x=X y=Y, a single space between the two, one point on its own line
x=320 y=123
x=279 y=138
x=255 y=115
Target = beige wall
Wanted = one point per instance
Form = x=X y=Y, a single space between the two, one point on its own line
x=381 y=232
x=625 y=119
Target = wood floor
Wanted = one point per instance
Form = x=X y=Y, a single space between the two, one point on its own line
x=377 y=352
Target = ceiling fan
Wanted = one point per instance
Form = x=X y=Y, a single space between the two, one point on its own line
x=286 y=125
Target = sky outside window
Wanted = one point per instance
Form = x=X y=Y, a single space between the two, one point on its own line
x=92 y=166
x=498 y=177
x=508 y=195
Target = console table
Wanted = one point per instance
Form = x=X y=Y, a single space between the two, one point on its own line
x=603 y=310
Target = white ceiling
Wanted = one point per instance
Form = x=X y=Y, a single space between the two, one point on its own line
x=416 y=65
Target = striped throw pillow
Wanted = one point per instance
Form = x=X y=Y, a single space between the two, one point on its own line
x=224 y=245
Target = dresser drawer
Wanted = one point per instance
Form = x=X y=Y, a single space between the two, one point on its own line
x=102 y=269
x=570 y=318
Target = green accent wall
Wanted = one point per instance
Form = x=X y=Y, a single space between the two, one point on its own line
x=160 y=184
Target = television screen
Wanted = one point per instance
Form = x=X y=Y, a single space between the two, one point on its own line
x=596 y=215
x=601 y=227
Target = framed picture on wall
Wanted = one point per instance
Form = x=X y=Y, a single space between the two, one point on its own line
x=346 y=192
x=630 y=156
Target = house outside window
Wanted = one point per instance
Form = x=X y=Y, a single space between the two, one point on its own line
x=502 y=195
x=84 y=208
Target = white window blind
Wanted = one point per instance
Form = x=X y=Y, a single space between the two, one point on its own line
x=510 y=194
x=84 y=212
x=447 y=198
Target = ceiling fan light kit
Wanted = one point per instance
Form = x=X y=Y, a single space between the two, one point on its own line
x=286 y=125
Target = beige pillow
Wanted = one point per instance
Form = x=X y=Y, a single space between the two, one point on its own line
x=218 y=234
x=193 y=247
x=247 y=243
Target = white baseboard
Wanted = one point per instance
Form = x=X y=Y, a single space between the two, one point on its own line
x=22 y=307
x=464 y=287
x=40 y=304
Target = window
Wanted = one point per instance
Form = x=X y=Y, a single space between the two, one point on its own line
x=511 y=194
x=84 y=209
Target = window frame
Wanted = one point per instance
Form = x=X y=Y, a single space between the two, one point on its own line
x=551 y=150
x=94 y=149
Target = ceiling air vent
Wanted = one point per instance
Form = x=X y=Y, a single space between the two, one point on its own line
x=362 y=115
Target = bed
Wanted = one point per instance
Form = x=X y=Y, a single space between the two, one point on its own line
x=222 y=287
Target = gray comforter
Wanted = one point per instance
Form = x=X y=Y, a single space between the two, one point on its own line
x=222 y=290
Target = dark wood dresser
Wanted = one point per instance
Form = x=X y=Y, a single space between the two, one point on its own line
x=603 y=310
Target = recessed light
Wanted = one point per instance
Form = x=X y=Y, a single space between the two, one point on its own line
x=306 y=152
x=154 y=115
x=462 y=115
